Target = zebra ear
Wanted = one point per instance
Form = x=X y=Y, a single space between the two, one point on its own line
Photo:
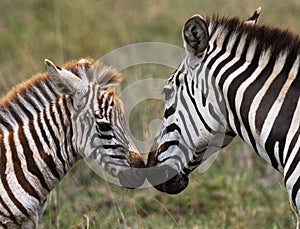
x=195 y=35
x=253 y=19
x=65 y=81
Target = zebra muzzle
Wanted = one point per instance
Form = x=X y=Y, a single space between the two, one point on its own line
x=167 y=179
x=133 y=176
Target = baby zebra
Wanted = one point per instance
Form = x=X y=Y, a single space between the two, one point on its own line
x=49 y=123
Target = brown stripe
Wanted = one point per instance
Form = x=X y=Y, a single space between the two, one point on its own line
x=67 y=141
x=11 y=216
x=44 y=92
x=54 y=137
x=71 y=133
x=24 y=109
x=14 y=114
x=43 y=112
x=61 y=120
x=6 y=208
x=46 y=158
x=19 y=171
x=3 y=161
x=41 y=127
x=31 y=165
x=35 y=170
x=51 y=88
x=5 y=123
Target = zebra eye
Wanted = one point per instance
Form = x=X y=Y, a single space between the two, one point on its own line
x=168 y=92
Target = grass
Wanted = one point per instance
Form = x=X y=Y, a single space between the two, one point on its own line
x=229 y=195
x=238 y=191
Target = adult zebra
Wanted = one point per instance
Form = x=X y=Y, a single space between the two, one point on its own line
x=236 y=79
x=50 y=122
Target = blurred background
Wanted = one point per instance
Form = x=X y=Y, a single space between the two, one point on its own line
x=238 y=191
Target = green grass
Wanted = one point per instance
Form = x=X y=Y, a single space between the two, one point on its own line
x=231 y=194
x=238 y=191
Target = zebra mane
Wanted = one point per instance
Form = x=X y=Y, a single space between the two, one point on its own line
x=275 y=40
x=96 y=73
x=103 y=75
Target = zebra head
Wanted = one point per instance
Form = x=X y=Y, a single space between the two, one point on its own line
x=194 y=125
x=98 y=129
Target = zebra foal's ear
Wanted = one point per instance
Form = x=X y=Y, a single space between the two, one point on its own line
x=195 y=35
x=65 y=81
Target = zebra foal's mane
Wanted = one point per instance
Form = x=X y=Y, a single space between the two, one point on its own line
x=96 y=73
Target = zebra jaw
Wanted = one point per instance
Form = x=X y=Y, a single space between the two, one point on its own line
x=133 y=176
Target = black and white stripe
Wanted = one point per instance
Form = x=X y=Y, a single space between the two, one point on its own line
x=47 y=124
x=245 y=81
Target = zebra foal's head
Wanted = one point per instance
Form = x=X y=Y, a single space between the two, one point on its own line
x=98 y=128
x=194 y=123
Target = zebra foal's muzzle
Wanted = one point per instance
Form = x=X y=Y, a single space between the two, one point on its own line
x=133 y=176
x=163 y=177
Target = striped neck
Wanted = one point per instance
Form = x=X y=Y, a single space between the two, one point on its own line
x=254 y=66
x=35 y=139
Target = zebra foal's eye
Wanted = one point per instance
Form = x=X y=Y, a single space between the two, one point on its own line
x=168 y=92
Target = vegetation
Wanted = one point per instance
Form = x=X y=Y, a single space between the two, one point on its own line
x=238 y=191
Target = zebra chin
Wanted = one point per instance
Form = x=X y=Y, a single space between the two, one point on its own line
x=133 y=176
x=166 y=179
